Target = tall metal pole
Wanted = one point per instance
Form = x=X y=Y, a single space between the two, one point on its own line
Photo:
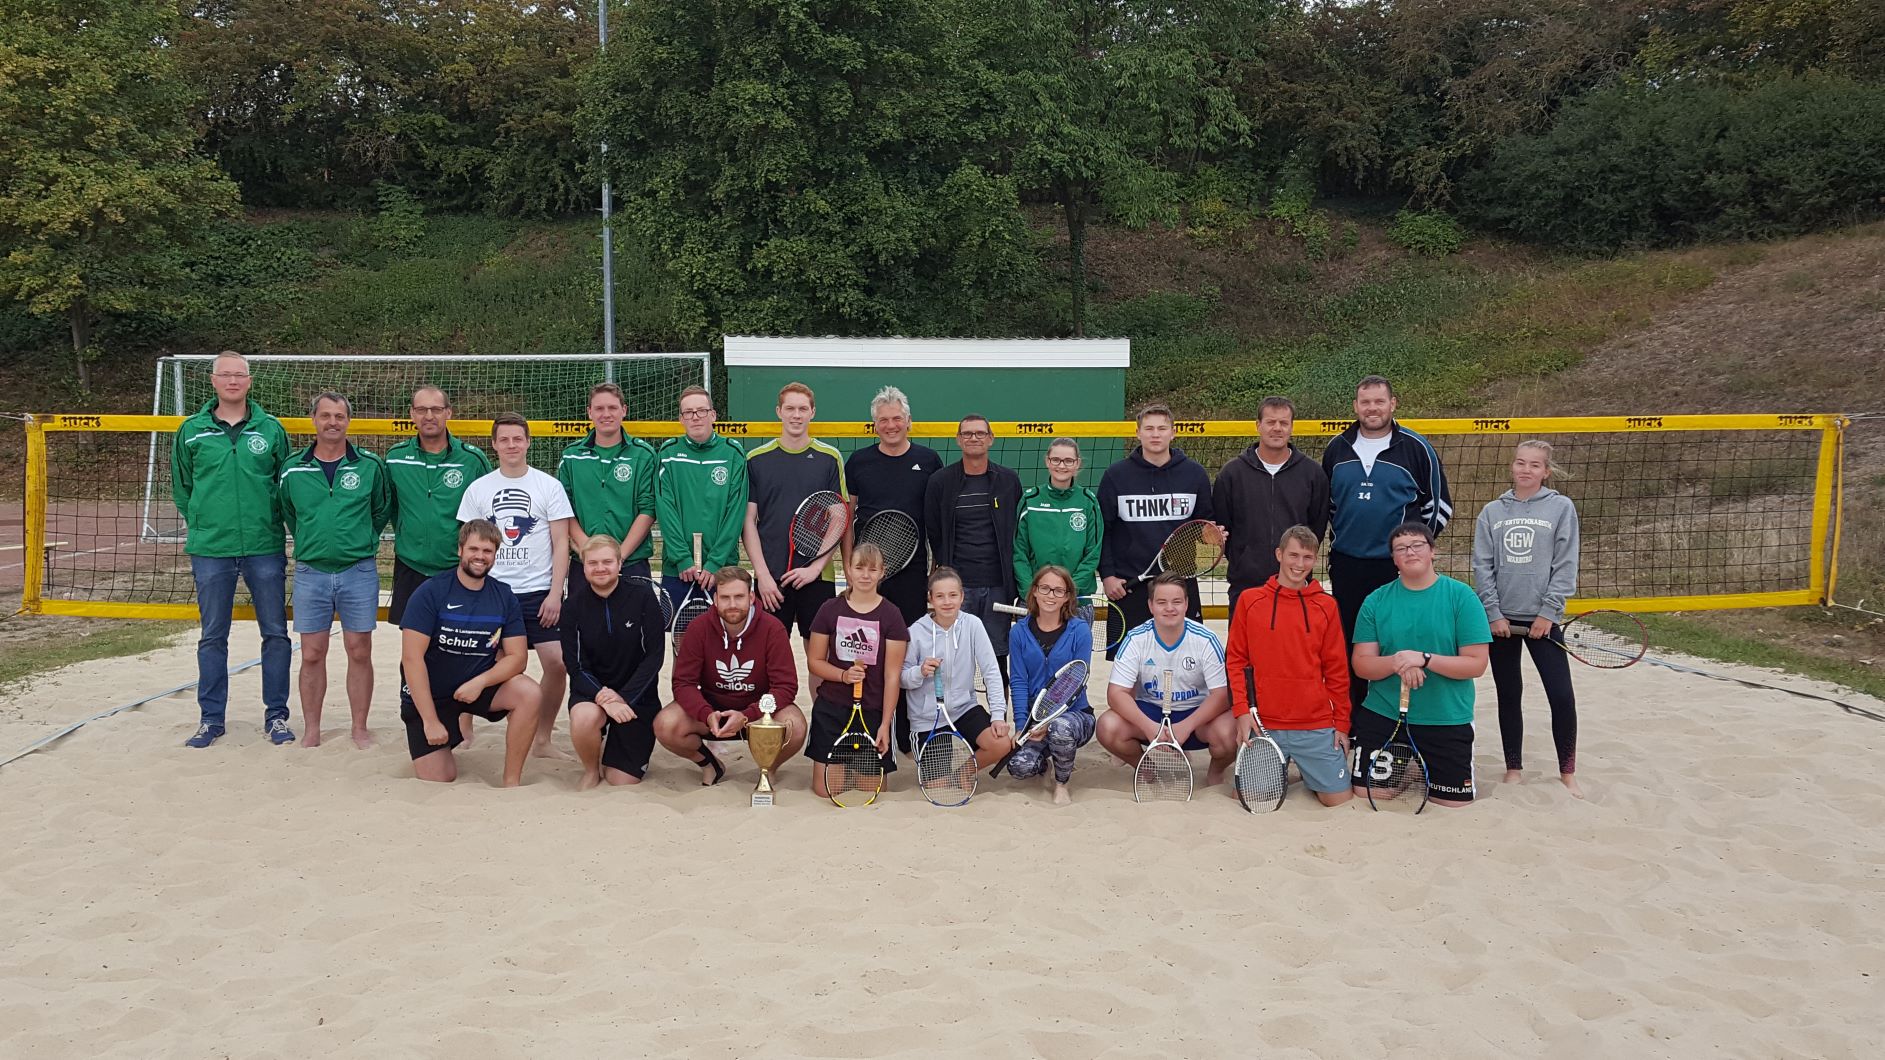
x=608 y=235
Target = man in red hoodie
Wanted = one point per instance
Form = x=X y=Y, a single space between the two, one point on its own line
x=726 y=661
x=1290 y=633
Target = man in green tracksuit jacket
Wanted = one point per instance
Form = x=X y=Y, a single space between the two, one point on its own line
x=335 y=498
x=1059 y=524
x=223 y=464
x=699 y=489
x=610 y=479
x=429 y=473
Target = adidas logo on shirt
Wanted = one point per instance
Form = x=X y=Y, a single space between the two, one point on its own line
x=734 y=673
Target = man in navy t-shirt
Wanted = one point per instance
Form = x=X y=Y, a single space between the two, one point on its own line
x=463 y=652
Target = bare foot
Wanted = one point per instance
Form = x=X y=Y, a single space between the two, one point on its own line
x=362 y=739
x=1214 y=776
x=464 y=730
x=311 y=738
x=1512 y=776
x=590 y=779
x=1569 y=780
x=1061 y=798
x=548 y=749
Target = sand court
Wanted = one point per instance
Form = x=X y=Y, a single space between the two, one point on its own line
x=1719 y=894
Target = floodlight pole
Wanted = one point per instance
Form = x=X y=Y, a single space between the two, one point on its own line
x=608 y=235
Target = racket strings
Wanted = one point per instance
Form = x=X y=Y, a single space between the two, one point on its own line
x=895 y=535
x=1592 y=645
x=1397 y=778
x=1163 y=775
x=1261 y=774
x=1192 y=549
x=946 y=768
x=818 y=524
x=855 y=773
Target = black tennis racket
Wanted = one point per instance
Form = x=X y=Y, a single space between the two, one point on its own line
x=1192 y=549
x=695 y=604
x=1607 y=640
x=817 y=528
x=1164 y=770
x=945 y=764
x=854 y=772
x=895 y=535
x=662 y=598
x=1261 y=775
x=1395 y=771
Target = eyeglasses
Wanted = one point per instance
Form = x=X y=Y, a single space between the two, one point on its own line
x=1051 y=592
x=429 y=410
x=1411 y=548
x=695 y=414
x=974 y=434
x=1063 y=461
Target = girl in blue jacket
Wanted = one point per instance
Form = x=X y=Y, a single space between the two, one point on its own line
x=1050 y=638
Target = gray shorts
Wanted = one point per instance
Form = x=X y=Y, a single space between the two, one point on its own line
x=1323 y=766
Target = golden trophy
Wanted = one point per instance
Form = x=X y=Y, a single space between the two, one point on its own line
x=765 y=738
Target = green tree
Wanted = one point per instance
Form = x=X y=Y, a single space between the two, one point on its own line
x=1116 y=101
x=99 y=182
x=809 y=165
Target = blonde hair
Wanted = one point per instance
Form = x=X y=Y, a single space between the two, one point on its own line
x=597 y=541
x=1552 y=470
x=864 y=554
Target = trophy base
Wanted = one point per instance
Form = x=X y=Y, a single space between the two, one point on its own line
x=762 y=798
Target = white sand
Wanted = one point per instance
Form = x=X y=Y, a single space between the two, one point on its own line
x=1720 y=894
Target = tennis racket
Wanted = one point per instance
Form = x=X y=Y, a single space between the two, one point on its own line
x=854 y=773
x=895 y=535
x=1164 y=770
x=1107 y=620
x=945 y=764
x=1396 y=772
x=817 y=528
x=1049 y=703
x=1607 y=640
x=693 y=605
x=1262 y=774
x=1193 y=549
x=662 y=598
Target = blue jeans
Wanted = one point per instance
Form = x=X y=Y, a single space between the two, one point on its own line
x=266 y=577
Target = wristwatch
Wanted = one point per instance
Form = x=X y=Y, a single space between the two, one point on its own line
x=1426 y=659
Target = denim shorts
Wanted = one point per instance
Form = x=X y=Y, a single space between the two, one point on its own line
x=351 y=595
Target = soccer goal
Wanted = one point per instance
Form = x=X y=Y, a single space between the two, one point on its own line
x=541 y=387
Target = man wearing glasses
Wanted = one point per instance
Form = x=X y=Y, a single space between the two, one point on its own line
x=700 y=488
x=430 y=473
x=1427 y=631
x=970 y=511
x=223 y=465
x=1060 y=523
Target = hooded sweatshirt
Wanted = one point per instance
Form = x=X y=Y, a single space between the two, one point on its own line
x=1293 y=639
x=965 y=650
x=1143 y=503
x=1525 y=556
x=700 y=489
x=720 y=669
x=1256 y=507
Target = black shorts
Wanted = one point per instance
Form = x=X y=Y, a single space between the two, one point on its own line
x=799 y=606
x=628 y=745
x=406 y=581
x=449 y=710
x=536 y=633
x=972 y=724
x=1447 y=749
x=828 y=720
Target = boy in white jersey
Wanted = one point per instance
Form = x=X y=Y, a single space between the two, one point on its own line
x=532 y=512
x=1200 y=700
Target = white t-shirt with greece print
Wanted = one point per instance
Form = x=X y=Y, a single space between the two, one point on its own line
x=522 y=508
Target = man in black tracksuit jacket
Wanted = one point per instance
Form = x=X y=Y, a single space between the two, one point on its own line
x=970 y=510
x=613 y=641
x=1143 y=498
x=1264 y=491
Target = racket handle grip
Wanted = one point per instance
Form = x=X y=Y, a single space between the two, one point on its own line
x=1008 y=609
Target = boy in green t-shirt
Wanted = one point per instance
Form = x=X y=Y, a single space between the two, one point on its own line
x=1429 y=631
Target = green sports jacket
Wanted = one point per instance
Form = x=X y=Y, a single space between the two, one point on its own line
x=426 y=491
x=336 y=525
x=700 y=489
x=222 y=478
x=1059 y=526
x=610 y=488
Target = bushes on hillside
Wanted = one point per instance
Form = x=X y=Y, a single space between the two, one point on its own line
x=1671 y=163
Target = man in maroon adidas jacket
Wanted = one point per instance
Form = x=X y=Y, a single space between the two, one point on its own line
x=726 y=661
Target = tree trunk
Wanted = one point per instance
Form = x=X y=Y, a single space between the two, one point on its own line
x=81 y=337
x=1076 y=255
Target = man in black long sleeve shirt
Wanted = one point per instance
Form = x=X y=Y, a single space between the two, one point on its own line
x=613 y=639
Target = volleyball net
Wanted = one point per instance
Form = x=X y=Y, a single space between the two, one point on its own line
x=1677 y=512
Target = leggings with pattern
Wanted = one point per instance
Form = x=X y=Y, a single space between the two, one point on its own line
x=1065 y=734
x=1554 y=671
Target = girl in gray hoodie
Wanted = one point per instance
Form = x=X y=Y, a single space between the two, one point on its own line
x=951 y=647
x=1525 y=547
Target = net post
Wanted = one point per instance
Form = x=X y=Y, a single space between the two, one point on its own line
x=35 y=512
x=1828 y=509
